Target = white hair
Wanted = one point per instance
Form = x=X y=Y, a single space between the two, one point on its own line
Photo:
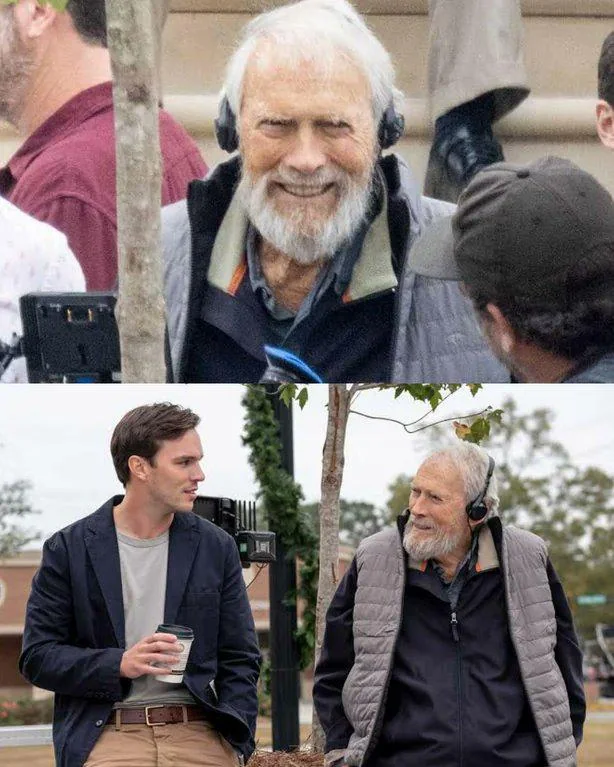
x=472 y=464
x=318 y=31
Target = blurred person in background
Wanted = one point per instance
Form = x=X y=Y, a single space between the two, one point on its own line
x=34 y=258
x=605 y=93
x=55 y=87
x=476 y=75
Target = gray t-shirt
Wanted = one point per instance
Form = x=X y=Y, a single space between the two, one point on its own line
x=143 y=569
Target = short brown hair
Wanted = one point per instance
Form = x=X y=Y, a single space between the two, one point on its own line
x=605 y=70
x=141 y=431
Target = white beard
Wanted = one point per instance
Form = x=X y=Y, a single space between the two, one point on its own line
x=296 y=235
x=438 y=544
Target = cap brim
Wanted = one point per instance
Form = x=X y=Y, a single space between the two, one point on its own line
x=432 y=255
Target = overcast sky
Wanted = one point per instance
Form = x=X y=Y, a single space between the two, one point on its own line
x=58 y=438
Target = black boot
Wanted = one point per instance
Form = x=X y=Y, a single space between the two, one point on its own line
x=462 y=145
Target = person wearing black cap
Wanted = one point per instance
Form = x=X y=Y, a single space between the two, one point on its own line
x=533 y=246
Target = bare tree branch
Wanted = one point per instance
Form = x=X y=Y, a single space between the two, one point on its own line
x=412 y=423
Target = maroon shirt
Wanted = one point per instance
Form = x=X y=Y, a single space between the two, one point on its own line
x=65 y=174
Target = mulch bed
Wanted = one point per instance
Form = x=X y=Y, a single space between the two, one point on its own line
x=285 y=759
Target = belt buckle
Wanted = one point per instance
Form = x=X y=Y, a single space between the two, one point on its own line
x=153 y=724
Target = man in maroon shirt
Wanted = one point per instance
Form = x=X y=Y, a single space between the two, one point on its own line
x=55 y=87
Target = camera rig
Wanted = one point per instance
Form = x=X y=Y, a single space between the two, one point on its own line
x=238 y=518
x=70 y=337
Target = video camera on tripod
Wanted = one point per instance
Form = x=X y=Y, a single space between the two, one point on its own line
x=238 y=518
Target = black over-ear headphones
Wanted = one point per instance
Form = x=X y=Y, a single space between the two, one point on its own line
x=226 y=127
x=476 y=509
x=390 y=130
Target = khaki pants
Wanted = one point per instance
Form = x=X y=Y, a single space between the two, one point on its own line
x=164 y=745
x=475 y=46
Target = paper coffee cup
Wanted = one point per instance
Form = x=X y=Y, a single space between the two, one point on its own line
x=185 y=637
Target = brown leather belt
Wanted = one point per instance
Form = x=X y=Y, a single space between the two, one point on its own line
x=158 y=714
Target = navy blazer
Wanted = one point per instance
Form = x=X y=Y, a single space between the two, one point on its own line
x=74 y=631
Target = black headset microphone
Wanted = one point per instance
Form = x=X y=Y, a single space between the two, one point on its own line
x=390 y=130
x=477 y=509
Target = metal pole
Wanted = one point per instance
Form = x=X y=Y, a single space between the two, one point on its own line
x=285 y=682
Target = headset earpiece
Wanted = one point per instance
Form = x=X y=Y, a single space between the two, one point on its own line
x=226 y=127
x=476 y=509
x=391 y=127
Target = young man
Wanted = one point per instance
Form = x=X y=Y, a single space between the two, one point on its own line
x=55 y=87
x=105 y=584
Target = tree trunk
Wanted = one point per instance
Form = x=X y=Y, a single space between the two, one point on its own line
x=339 y=398
x=133 y=47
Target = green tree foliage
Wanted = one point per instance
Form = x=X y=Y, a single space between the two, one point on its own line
x=14 y=505
x=357 y=520
x=398 y=497
x=280 y=501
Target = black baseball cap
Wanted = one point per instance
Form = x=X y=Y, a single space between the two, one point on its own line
x=542 y=232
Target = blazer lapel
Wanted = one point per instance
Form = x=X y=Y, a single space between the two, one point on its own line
x=101 y=544
x=182 y=547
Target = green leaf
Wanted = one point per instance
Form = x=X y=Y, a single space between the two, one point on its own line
x=287 y=392
x=302 y=397
x=59 y=5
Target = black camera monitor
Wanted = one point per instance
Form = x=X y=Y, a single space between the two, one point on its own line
x=70 y=337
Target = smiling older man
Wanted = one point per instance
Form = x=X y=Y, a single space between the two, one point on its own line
x=301 y=240
x=450 y=640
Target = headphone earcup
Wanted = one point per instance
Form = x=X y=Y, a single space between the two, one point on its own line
x=477 y=512
x=391 y=127
x=226 y=128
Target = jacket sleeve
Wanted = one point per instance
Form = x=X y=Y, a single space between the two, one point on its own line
x=238 y=656
x=49 y=659
x=336 y=660
x=568 y=654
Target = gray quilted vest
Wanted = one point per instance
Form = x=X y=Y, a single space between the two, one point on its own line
x=377 y=619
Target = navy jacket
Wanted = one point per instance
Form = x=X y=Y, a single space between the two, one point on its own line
x=74 y=634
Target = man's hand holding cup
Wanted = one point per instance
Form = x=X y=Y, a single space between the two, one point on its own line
x=150 y=655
